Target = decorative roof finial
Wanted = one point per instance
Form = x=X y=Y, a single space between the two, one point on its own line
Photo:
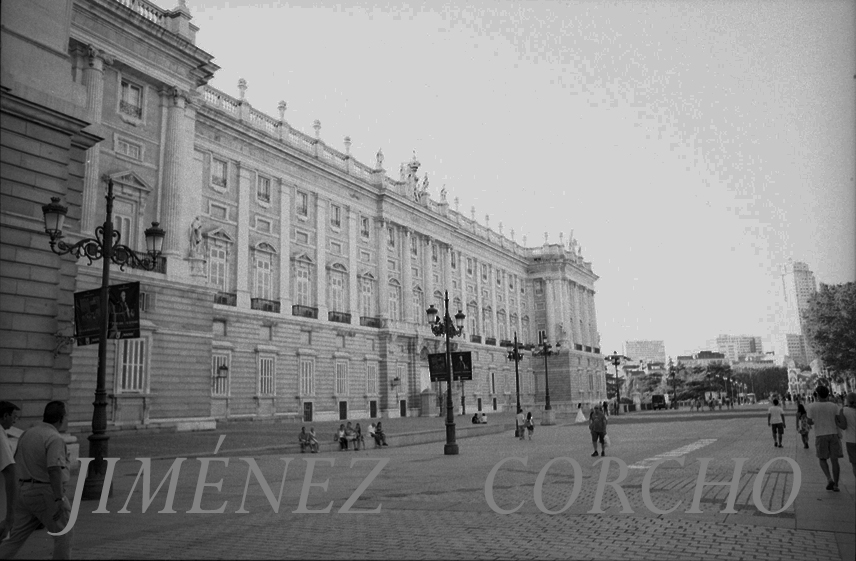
x=347 y=145
x=282 y=106
x=242 y=89
x=317 y=126
x=379 y=159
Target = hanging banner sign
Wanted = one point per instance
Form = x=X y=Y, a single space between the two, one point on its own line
x=462 y=366
x=123 y=313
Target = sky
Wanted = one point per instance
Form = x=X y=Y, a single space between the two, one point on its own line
x=692 y=147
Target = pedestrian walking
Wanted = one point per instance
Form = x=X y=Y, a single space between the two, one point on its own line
x=802 y=423
x=42 y=463
x=8 y=417
x=823 y=416
x=776 y=419
x=530 y=424
x=849 y=414
x=597 y=426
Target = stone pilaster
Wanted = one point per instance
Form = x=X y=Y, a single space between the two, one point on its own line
x=550 y=302
x=407 y=311
x=321 y=257
x=494 y=317
x=383 y=269
x=285 y=247
x=353 y=266
x=245 y=272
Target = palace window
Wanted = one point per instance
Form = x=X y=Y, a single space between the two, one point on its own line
x=434 y=252
x=303 y=283
x=302 y=204
x=217 y=267
x=220 y=383
x=266 y=375
x=127 y=148
x=341 y=377
x=336 y=216
x=337 y=283
x=371 y=378
x=391 y=234
x=367 y=297
x=132 y=365
x=307 y=377
x=418 y=304
x=469 y=266
x=365 y=231
x=131 y=101
x=219 y=169
x=394 y=301
x=262 y=271
x=263 y=189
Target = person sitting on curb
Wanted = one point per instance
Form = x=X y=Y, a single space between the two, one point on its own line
x=341 y=438
x=372 y=431
x=380 y=436
x=303 y=438
x=313 y=441
x=483 y=419
x=476 y=418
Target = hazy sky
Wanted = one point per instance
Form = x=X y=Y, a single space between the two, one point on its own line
x=693 y=147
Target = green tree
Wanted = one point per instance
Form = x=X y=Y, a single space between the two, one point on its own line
x=830 y=321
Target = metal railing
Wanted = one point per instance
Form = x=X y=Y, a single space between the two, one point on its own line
x=265 y=305
x=370 y=322
x=304 y=311
x=339 y=317
x=226 y=298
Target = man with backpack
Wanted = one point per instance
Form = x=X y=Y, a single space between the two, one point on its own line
x=597 y=426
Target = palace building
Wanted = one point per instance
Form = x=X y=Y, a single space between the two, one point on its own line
x=294 y=279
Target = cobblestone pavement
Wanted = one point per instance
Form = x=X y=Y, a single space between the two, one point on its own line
x=430 y=506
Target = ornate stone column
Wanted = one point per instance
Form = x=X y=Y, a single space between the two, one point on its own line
x=174 y=171
x=93 y=80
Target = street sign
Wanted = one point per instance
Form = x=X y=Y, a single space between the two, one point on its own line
x=123 y=310
x=462 y=366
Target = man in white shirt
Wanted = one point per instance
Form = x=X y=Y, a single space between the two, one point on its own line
x=8 y=416
x=776 y=419
x=823 y=416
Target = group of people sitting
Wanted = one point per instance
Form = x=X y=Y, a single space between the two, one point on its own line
x=479 y=419
x=346 y=436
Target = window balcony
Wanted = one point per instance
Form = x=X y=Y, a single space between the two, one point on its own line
x=265 y=305
x=490 y=341
x=130 y=109
x=588 y=349
x=339 y=317
x=304 y=311
x=596 y=351
x=475 y=339
x=578 y=347
x=370 y=322
x=226 y=298
x=505 y=343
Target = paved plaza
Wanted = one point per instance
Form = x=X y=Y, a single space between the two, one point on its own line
x=421 y=504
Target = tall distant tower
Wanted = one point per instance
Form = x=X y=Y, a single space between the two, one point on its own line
x=799 y=286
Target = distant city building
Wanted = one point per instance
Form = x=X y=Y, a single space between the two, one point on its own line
x=702 y=358
x=735 y=347
x=799 y=286
x=643 y=352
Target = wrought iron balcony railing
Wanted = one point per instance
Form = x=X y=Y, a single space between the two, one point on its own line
x=304 y=311
x=226 y=298
x=370 y=322
x=265 y=305
x=339 y=317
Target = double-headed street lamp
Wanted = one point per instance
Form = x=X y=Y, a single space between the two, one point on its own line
x=546 y=351
x=449 y=329
x=514 y=354
x=616 y=359
x=105 y=245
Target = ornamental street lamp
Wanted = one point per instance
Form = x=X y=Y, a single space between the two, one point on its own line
x=616 y=359
x=549 y=418
x=448 y=329
x=104 y=246
x=514 y=354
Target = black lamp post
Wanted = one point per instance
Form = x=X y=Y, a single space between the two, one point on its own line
x=616 y=359
x=104 y=246
x=514 y=354
x=546 y=350
x=449 y=329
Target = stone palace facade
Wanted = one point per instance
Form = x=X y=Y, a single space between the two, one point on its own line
x=294 y=279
